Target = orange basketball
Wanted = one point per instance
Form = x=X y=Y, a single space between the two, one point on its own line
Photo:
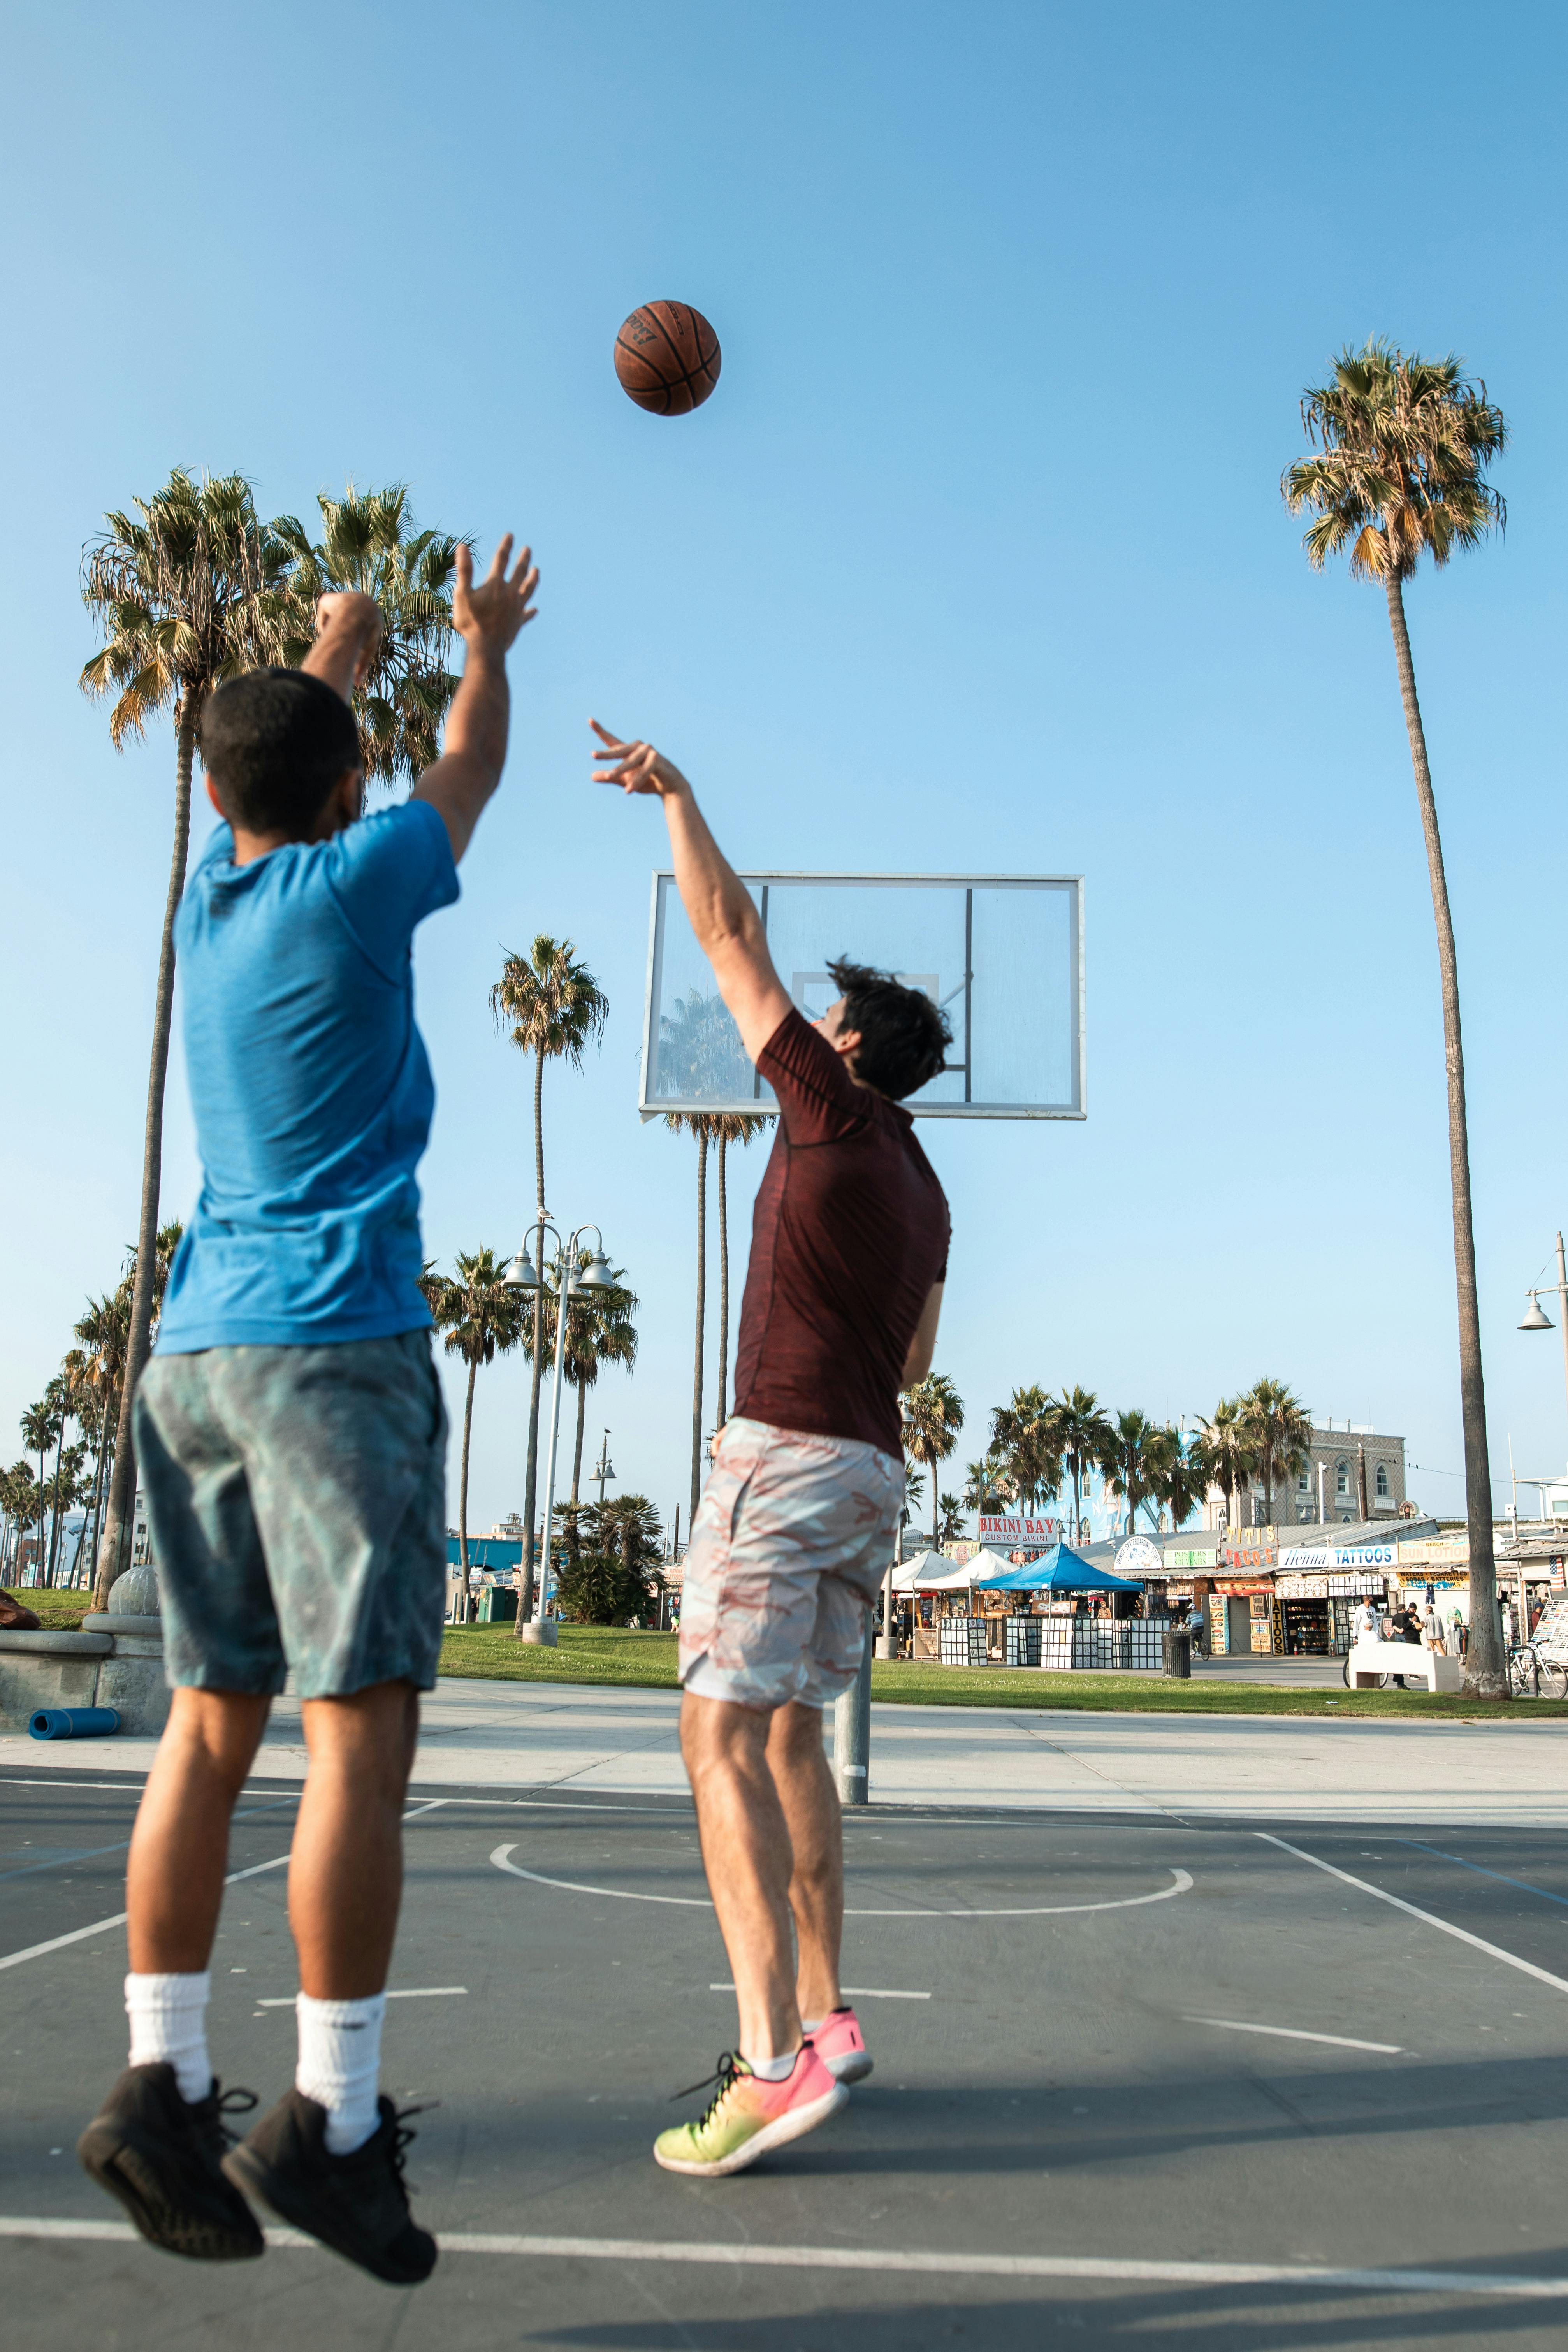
x=667 y=357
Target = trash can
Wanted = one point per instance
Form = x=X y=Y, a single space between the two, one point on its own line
x=498 y=1604
x=1176 y=1656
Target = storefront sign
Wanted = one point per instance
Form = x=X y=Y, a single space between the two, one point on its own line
x=1139 y=1557
x=1242 y=1585
x=1190 y=1559
x=1321 y=1557
x=1245 y=1555
x=1017 y=1533
x=1434 y=1551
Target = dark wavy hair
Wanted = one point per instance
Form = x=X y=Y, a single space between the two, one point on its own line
x=904 y=1037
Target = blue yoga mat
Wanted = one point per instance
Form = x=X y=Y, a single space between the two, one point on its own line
x=73 y=1722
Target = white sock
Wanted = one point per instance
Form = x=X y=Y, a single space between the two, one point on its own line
x=339 y=2065
x=169 y=2026
x=773 y=2070
x=810 y=2025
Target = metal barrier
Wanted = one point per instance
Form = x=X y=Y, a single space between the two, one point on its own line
x=1023 y=1641
x=1123 y=1645
x=962 y=1641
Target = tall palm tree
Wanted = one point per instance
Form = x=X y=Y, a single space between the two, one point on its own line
x=1024 y=1440
x=103 y=1331
x=24 y=1503
x=369 y=542
x=1401 y=447
x=702 y=1125
x=1082 y=1436
x=933 y=1415
x=1280 y=1432
x=1226 y=1453
x=554 y=1009
x=1181 y=1482
x=1134 y=1461
x=481 y=1318
x=728 y=1127
x=984 y=1482
x=43 y=1425
x=186 y=592
x=599 y=1331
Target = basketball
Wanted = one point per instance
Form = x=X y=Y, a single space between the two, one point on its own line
x=667 y=357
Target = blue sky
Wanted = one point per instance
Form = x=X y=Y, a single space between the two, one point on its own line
x=976 y=560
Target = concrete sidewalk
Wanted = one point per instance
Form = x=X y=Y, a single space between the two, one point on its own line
x=1264 y=1767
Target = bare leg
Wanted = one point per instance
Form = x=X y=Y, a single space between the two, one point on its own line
x=179 y=1848
x=746 y=1854
x=811 y=1810
x=345 y=1876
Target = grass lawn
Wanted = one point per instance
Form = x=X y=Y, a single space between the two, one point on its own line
x=599 y=1654
x=56 y=1613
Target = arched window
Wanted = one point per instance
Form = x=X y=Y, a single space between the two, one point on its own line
x=1383 y=1482
x=1304 y=1479
x=1342 y=1476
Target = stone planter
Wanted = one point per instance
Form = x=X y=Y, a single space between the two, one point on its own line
x=116 y=1660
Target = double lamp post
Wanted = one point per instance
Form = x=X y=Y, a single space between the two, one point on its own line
x=566 y=1278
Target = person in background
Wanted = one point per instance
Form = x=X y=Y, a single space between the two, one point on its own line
x=1454 y=1635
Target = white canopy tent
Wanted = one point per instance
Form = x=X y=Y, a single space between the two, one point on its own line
x=932 y=1571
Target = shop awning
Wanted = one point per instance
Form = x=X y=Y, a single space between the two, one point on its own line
x=932 y=1571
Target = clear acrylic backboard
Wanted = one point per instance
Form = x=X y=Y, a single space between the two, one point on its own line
x=1001 y=953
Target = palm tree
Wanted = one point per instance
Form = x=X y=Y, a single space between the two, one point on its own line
x=701 y=1124
x=556 y=1009
x=1280 y=1433
x=730 y=1127
x=1225 y=1452
x=984 y=1482
x=1023 y=1441
x=24 y=1503
x=43 y=1425
x=599 y=1331
x=103 y=1330
x=933 y=1415
x=369 y=542
x=481 y=1318
x=187 y=596
x=1402 y=446
x=1082 y=1436
x=1135 y=1460
x=1181 y=1482
x=951 y=1518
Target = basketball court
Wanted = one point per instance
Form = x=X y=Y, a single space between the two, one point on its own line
x=1138 y=2075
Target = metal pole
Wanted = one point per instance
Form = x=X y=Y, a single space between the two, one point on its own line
x=852 y=1730
x=567 y=1258
x=1562 y=1306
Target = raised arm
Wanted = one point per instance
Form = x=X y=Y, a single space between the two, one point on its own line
x=486 y=618
x=728 y=929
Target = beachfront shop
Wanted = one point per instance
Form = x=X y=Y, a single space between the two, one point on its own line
x=1316 y=1589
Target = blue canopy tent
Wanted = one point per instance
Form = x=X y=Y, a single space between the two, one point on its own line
x=1058 y=1571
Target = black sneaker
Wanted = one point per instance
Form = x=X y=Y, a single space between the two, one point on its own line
x=356 y=2204
x=161 y=2156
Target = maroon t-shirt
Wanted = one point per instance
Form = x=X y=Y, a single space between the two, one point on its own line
x=849 y=1232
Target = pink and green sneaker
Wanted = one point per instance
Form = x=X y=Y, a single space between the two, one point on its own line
x=841 y=2046
x=746 y=2117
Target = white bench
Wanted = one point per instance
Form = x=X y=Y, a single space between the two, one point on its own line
x=1370 y=1660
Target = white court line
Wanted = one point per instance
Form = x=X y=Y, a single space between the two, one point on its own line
x=1295 y=2033
x=902 y=2259
x=1182 y=1878
x=856 y=1992
x=393 y=1992
x=1493 y=1951
x=101 y=1926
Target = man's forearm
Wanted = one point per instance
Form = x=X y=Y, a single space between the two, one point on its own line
x=334 y=657
x=480 y=716
x=718 y=903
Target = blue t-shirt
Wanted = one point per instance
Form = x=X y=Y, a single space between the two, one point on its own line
x=311 y=1091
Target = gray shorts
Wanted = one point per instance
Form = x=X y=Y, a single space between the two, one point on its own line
x=298 y=1500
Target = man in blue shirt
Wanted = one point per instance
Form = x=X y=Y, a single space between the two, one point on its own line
x=290 y=1435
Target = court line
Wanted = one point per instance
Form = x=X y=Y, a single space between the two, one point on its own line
x=856 y=1992
x=902 y=2259
x=700 y=1903
x=1501 y=1879
x=92 y=1853
x=393 y=1992
x=101 y=1926
x=1462 y=1935
x=1296 y=2034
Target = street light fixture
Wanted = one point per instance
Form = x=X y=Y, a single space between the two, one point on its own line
x=1534 y=1319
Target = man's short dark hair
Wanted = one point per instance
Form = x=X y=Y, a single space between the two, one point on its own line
x=275 y=741
x=904 y=1037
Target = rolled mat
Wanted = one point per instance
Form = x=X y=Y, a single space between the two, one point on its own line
x=73 y=1722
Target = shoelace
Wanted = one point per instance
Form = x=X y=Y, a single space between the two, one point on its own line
x=212 y=2110
x=728 y=2070
x=403 y=2138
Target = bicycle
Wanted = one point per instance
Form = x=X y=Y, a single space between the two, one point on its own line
x=1529 y=1675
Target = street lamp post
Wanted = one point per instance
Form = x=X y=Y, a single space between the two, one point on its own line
x=520 y=1275
x=1534 y=1320
x=603 y=1469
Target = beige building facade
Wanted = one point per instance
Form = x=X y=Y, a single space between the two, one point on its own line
x=1355 y=1473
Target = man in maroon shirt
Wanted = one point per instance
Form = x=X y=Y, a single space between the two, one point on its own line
x=799 y=1519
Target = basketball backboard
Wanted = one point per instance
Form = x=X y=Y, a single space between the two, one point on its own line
x=1001 y=953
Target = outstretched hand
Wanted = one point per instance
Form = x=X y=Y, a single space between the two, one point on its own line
x=635 y=767
x=492 y=613
x=348 y=628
